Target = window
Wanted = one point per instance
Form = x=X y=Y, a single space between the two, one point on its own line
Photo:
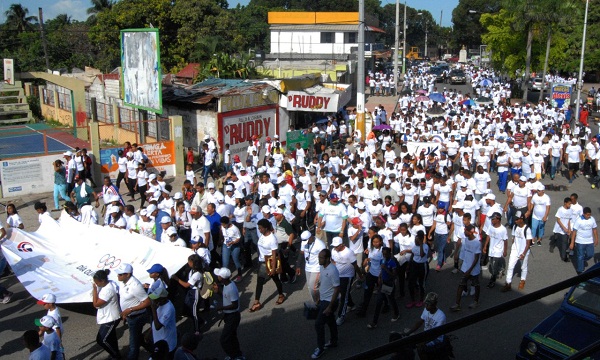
x=352 y=38
x=327 y=37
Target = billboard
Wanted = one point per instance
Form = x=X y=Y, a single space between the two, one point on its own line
x=140 y=64
x=560 y=95
x=9 y=71
x=236 y=128
x=161 y=157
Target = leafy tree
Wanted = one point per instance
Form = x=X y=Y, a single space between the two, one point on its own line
x=225 y=66
x=467 y=27
x=17 y=18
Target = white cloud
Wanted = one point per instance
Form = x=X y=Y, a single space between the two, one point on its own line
x=76 y=9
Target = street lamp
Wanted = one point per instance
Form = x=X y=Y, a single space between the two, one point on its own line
x=426 y=53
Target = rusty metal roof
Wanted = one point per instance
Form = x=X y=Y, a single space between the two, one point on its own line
x=206 y=91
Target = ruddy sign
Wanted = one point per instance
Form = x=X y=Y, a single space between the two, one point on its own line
x=238 y=128
x=301 y=101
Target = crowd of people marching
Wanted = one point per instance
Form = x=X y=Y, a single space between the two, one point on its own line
x=378 y=214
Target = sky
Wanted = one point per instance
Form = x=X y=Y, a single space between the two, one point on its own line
x=77 y=8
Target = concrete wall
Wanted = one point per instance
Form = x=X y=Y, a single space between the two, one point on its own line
x=308 y=42
x=196 y=124
x=55 y=113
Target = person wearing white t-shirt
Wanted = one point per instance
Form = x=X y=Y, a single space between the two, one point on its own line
x=556 y=155
x=431 y=318
x=519 y=251
x=345 y=261
x=562 y=230
x=572 y=158
x=584 y=238
x=496 y=239
x=309 y=252
x=540 y=210
x=471 y=267
x=231 y=314
x=105 y=299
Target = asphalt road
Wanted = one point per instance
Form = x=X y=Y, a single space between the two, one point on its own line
x=281 y=332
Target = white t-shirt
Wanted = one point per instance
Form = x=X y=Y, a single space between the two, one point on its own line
x=333 y=216
x=427 y=213
x=356 y=247
x=470 y=248
x=230 y=294
x=498 y=237
x=132 y=294
x=584 y=227
x=52 y=341
x=311 y=254
x=520 y=195
x=122 y=161
x=404 y=242
x=266 y=245
x=344 y=261
x=520 y=239
x=110 y=311
x=539 y=205
x=481 y=182
x=433 y=320
x=565 y=216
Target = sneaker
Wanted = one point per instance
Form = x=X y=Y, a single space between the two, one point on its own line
x=317 y=353
x=396 y=318
x=491 y=284
x=419 y=304
x=434 y=256
x=521 y=284
x=330 y=344
x=339 y=321
x=455 y=271
x=464 y=293
x=7 y=297
x=371 y=326
x=474 y=305
x=237 y=279
x=438 y=268
x=410 y=305
x=455 y=308
x=472 y=291
x=484 y=267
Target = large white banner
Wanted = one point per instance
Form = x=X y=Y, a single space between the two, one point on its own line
x=415 y=148
x=62 y=257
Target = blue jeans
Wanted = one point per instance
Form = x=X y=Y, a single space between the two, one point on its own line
x=537 y=228
x=62 y=191
x=502 y=180
x=136 y=325
x=584 y=253
x=554 y=163
x=440 y=245
x=205 y=174
x=514 y=171
x=233 y=251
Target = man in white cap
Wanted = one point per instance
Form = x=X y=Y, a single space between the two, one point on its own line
x=285 y=238
x=309 y=254
x=495 y=246
x=540 y=210
x=519 y=199
x=71 y=170
x=51 y=339
x=134 y=303
x=345 y=261
x=231 y=313
x=131 y=175
x=333 y=218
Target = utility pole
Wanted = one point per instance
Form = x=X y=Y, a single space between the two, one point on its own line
x=580 y=79
x=41 y=17
x=404 y=42
x=396 y=47
x=426 y=53
x=360 y=73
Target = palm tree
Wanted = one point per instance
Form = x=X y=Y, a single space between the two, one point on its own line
x=97 y=7
x=17 y=19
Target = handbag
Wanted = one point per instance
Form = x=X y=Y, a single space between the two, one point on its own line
x=387 y=290
x=310 y=310
x=278 y=268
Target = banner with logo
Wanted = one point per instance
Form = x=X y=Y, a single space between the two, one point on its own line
x=161 y=157
x=302 y=101
x=416 y=148
x=61 y=257
x=236 y=128
x=560 y=95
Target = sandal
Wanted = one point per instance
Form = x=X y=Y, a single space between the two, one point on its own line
x=280 y=300
x=255 y=307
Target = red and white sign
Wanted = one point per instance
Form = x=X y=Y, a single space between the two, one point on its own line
x=236 y=128
x=321 y=102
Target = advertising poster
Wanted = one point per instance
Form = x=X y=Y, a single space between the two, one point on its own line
x=161 y=157
x=237 y=128
x=561 y=95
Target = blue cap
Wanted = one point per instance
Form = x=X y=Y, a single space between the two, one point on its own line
x=196 y=239
x=156 y=268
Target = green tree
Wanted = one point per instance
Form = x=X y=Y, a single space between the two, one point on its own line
x=466 y=19
x=97 y=7
x=17 y=18
x=225 y=66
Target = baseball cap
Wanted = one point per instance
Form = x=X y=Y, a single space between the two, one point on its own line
x=150 y=209
x=522 y=178
x=194 y=209
x=228 y=188
x=458 y=205
x=490 y=197
x=113 y=209
x=280 y=202
x=196 y=239
x=464 y=184
x=219 y=197
x=541 y=187
x=152 y=177
x=393 y=209
x=223 y=272
x=67 y=153
x=360 y=206
x=336 y=241
x=156 y=268
x=166 y=220
x=333 y=196
x=387 y=181
x=144 y=212
x=431 y=298
x=178 y=196
x=124 y=268
x=47 y=299
x=266 y=209
x=305 y=235
x=211 y=185
x=519 y=215
x=276 y=211
x=355 y=221
x=171 y=230
x=249 y=197
x=369 y=181
x=497 y=215
x=158 y=292
x=323 y=192
x=46 y=321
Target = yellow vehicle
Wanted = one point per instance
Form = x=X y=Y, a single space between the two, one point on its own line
x=413 y=54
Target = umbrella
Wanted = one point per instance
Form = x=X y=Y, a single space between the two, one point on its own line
x=382 y=127
x=322 y=121
x=421 y=98
x=421 y=91
x=405 y=91
x=437 y=97
x=483 y=100
x=435 y=111
x=486 y=82
x=467 y=102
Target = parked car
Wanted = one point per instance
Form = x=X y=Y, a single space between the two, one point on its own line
x=458 y=77
x=575 y=325
x=535 y=84
x=438 y=72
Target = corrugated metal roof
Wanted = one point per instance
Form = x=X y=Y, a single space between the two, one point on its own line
x=206 y=91
x=322 y=27
x=190 y=71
